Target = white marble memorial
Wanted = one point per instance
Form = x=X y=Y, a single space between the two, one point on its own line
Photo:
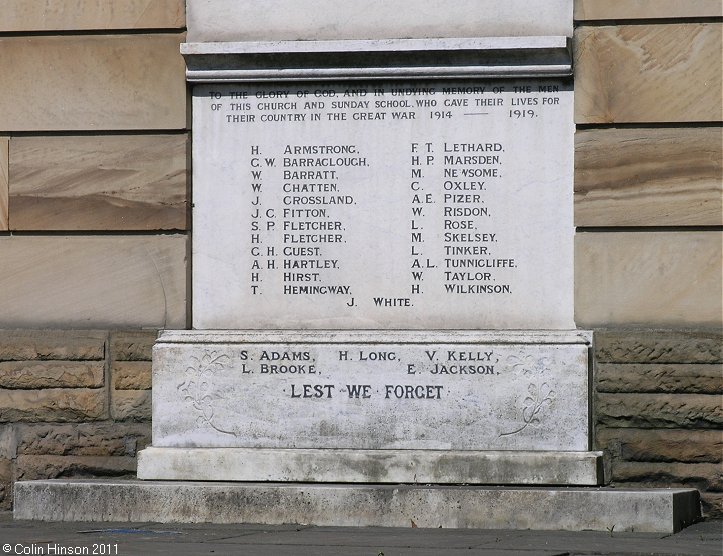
x=309 y=20
x=382 y=269
x=381 y=205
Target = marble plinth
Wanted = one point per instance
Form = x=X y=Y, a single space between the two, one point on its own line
x=371 y=390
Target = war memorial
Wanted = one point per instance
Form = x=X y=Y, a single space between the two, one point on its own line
x=384 y=280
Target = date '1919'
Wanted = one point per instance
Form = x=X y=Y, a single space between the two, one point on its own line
x=522 y=114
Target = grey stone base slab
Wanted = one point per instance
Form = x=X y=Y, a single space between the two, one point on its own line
x=372 y=466
x=541 y=508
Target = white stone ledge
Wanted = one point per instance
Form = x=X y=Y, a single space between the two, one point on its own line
x=381 y=45
x=576 y=337
x=372 y=466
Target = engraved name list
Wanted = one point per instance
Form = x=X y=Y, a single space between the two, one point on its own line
x=383 y=205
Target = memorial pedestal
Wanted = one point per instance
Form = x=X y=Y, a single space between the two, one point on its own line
x=409 y=227
x=440 y=407
x=488 y=430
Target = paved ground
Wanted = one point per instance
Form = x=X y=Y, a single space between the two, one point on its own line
x=124 y=539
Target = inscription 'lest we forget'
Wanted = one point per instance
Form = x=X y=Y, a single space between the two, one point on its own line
x=365 y=396
x=393 y=205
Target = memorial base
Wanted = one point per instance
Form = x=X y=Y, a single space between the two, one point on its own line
x=541 y=508
x=458 y=390
x=454 y=429
x=372 y=466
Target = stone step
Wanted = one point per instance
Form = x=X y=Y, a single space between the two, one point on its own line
x=541 y=508
x=372 y=466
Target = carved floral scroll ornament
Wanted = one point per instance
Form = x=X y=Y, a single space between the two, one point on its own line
x=529 y=364
x=540 y=396
x=198 y=387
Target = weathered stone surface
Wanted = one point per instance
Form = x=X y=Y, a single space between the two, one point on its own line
x=648 y=73
x=31 y=468
x=93 y=281
x=661 y=445
x=51 y=374
x=658 y=346
x=712 y=503
x=71 y=345
x=665 y=510
x=659 y=410
x=131 y=405
x=112 y=182
x=636 y=377
x=662 y=279
x=241 y=20
x=131 y=375
x=590 y=10
x=703 y=476
x=8 y=441
x=372 y=466
x=92 y=82
x=83 y=439
x=53 y=404
x=649 y=177
x=4 y=156
x=132 y=345
x=67 y=15
x=6 y=483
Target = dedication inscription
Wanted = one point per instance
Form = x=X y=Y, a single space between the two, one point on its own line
x=424 y=204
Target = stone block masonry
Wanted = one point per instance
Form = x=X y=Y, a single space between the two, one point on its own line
x=81 y=281
x=128 y=82
x=100 y=182
x=73 y=403
x=658 y=411
x=64 y=15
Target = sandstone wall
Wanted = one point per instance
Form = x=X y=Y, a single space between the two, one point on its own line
x=658 y=409
x=93 y=164
x=94 y=219
x=73 y=403
x=648 y=211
